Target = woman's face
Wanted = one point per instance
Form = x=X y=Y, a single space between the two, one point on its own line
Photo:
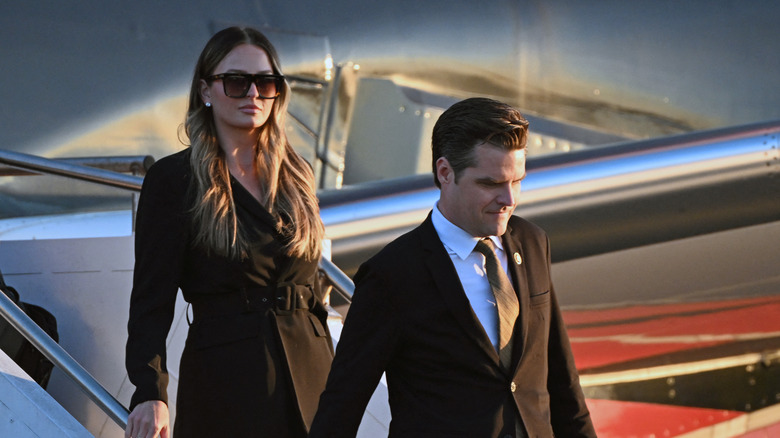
x=245 y=113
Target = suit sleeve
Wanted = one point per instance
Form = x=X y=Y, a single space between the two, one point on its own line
x=569 y=413
x=159 y=247
x=370 y=335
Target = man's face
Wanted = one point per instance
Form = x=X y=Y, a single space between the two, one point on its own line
x=486 y=195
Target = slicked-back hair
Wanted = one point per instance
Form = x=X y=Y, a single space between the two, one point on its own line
x=470 y=123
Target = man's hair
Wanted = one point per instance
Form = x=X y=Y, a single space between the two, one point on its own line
x=471 y=122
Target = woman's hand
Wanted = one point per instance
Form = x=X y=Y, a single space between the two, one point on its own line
x=147 y=420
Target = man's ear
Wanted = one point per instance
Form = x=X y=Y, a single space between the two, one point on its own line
x=444 y=172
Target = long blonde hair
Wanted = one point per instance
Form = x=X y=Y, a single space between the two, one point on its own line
x=287 y=179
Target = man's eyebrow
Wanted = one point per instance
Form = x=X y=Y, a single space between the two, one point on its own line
x=489 y=180
x=486 y=180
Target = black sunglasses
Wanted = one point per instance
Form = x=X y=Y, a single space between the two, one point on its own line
x=237 y=84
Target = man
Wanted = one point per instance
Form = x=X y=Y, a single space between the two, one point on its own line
x=466 y=353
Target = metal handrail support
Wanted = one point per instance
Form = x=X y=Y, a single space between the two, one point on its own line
x=60 y=358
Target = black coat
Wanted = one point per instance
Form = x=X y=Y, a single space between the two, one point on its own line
x=411 y=319
x=258 y=351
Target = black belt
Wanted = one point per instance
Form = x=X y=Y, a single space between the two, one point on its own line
x=282 y=298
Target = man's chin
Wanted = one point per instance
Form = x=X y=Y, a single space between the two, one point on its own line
x=497 y=230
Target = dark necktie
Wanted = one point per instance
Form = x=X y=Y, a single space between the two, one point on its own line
x=506 y=301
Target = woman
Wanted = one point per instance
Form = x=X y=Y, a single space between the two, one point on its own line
x=233 y=222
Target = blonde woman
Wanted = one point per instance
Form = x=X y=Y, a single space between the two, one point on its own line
x=233 y=222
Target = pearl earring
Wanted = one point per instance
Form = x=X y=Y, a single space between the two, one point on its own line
x=208 y=104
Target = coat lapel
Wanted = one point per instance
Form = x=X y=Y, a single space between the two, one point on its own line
x=516 y=263
x=450 y=289
x=244 y=199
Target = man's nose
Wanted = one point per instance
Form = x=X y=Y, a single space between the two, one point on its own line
x=507 y=195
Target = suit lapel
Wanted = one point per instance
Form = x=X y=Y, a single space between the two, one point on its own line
x=514 y=251
x=450 y=288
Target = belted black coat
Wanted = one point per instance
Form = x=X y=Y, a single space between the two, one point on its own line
x=258 y=349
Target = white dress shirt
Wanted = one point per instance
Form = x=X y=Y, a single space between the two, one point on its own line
x=470 y=266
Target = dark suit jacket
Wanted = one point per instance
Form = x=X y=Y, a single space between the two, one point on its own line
x=411 y=319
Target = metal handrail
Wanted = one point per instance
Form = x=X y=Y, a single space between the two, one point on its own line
x=61 y=168
x=340 y=281
x=133 y=164
x=60 y=358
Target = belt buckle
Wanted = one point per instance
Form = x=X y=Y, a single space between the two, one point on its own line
x=284 y=301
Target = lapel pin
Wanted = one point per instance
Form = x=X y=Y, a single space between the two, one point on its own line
x=518 y=259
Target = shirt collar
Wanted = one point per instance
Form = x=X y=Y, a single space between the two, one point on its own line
x=455 y=238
